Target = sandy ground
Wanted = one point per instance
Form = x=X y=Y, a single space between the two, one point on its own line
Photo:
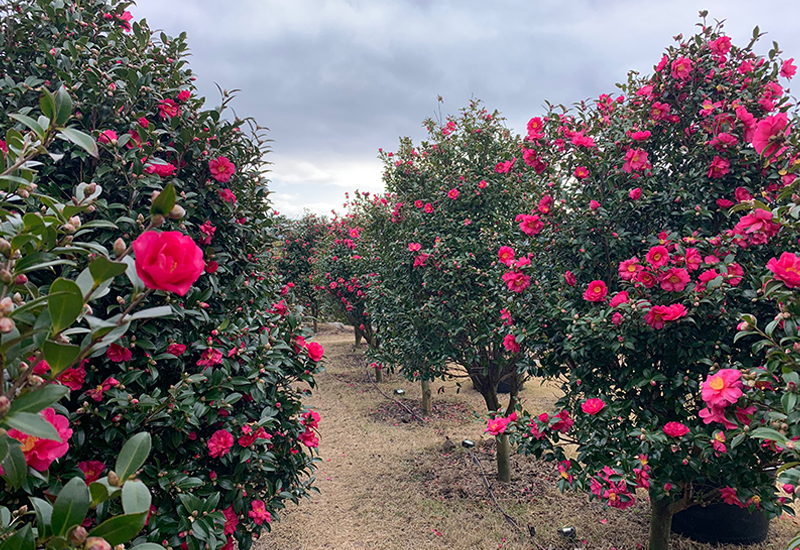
x=390 y=482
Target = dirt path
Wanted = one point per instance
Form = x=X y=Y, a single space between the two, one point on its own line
x=388 y=482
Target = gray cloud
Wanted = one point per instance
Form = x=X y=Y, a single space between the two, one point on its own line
x=335 y=80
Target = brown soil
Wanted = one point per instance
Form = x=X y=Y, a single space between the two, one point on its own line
x=390 y=482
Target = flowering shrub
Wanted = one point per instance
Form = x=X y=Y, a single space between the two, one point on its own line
x=207 y=367
x=646 y=275
x=438 y=299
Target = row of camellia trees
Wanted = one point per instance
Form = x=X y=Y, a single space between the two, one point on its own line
x=637 y=248
x=150 y=354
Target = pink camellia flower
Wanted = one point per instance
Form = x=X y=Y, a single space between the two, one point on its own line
x=635 y=159
x=596 y=292
x=722 y=388
x=91 y=470
x=545 y=204
x=530 y=225
x=620 y=298
x=497 y=426
x=675 y=429
x=581 y=172
x=516 y=282
x=231 y=520
x=506 y=255
x=220 y=443
x=184 y=95
x=309 y=438
x=788 y=69
x=719 y=442
x=635 y=194
x=535 y=128
x=73 y=378
x=786 y=269
x=594 y=205
x=593 y=406
x=118 y=354
x=107 y=136
x=681 y=68
x=617 y=318
x=135 y=141
x=716 y=414
x=168 y=261
x=659 y=315
x=176 y=349
x=259 y=513
x=658 y=256
x=505 y=167
x=640 y=136
x=675 y=279
x=162 y=170
x=510 y=343
x=227 y=196
x=724 y=203
x=209 y=358
x=167 y=108
x=628 y=269
x=720 y=46
x=647 y=278
x=767 y=137
x=728 y=495
x=97 y=392
x=315 y=351
x=760 y=221
x=693 y=259
x=310 y=419
x=208 y=230
x=40 y=453
x=570 y=279
x=741 y=194
x=428 y=208
x=414 y=247
x=222 y=169
x=453 y=193
x=719 y=167
x=421 y=260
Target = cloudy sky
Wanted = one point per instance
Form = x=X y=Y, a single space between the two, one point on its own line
x=334 y=80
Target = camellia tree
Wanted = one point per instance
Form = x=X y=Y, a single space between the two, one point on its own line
x=640 y=274
x=455 y=197
x=210 y=366
x=299 y=239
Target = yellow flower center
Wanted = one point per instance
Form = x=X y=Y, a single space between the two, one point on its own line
x=28 y=443
x=717 y=383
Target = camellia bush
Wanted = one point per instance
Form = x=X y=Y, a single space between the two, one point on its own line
x=187 y=334
x=641 y=272
x=439 y=294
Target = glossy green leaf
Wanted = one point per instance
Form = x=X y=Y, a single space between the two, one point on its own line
x=15 y=467
x=44 y=514
x=38 y=399
x=32 y=424
x=70 y=507
x=82 y=140
x=133 y=455
x=149 y=313
x=65 y=303
x=135 y=497
x=47 y=104
x=164 y=202
x=21 y=540
x=103 y=268
x=63 y=103
x=59 y=356
x=30 y=123
x=120 y=529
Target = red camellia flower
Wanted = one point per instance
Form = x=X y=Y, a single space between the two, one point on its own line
x=309 y=438
x=167 y=108
x=510 y=343
x=315 y=351
x=545 y=204
x=497 y=426
x=675 y=429
x=675 y=279
x=176 y=349
x=453 y=193
x=530 y=225
x=184 y=95
x=227 y=196
x=73 y=378
x=162 y=170
x=719 y=167
x=231 y=520
x=211 y=267
x=222 y=169
x=506 y=255
x=681 y=68
x=516 y=282
x=107 y=136
x=657 y=256
x=635 y=194
x=570 y=278
x=593 y=405
x=91 y=470
x=168 y=261
x=581 y=172
x=768 y=134
x=118 y=354
x=259 y=512
x=596 y=292
x=40 y=453
x=786 y=269
x=659 y=315
x=220 y=443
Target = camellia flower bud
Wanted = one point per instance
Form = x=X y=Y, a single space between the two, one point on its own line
x=5 y=248
x=177 y=212
x=6 y=325
x=5 y=404
x=75 y=221
x=90 y=190
x=157 y=220
x=113 y=479
x=6 y=306
x=119 y=247
x=78 y=535
x=5 y=277
x=97 y=543
x=154 y=196
x=21 y=279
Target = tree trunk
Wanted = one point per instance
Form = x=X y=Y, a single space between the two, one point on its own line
x=660 y=523
x=426 y=397
x=489 y=393
x=315 y=314
x=378 y=374
x=316 y=325
x=358 y=337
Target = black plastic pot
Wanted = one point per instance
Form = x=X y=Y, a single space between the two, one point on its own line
x=721 y=523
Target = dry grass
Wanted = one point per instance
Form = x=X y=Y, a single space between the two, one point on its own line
x=389 y=482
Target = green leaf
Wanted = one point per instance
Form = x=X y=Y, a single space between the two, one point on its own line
x=32 y=424
x=130 y=272
x=70 y=507
x=47 y=104
x=120 y=529
x=65 y=303
x=44 y=513
x=135 y=497
x=21 y=540
x=768 y=433
x=59 y=356
x=164 y=202
x=15 y=466
x=38 y=400
x=63 y=103
x=132 y=455
x=82 y=140
x=3 y=448
x=149 y=313
x=148 y=546
x=102 y=269
x=30 y=123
